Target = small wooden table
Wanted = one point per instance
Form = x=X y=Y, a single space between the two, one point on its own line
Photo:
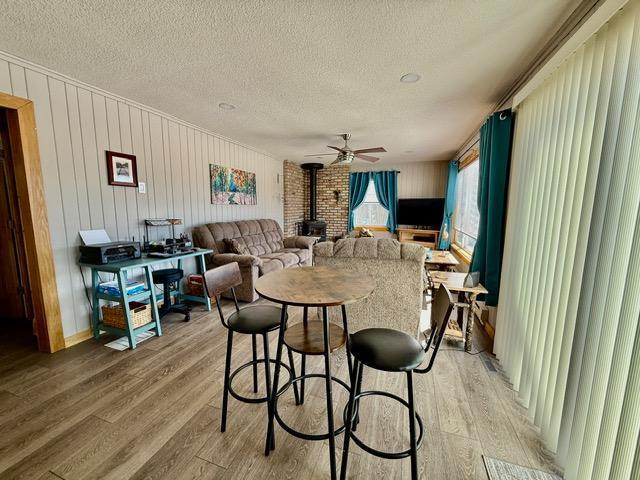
x=441 y=259
x=454 y=281
x=312 y=287
x=121 y=270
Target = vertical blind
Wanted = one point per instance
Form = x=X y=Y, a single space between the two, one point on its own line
x=567 y=330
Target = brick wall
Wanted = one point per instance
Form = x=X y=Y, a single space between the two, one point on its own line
x=331 y=210
x=295 y=196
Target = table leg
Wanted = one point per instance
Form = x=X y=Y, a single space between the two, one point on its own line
x=178 y=293
x=468 y=335
x=346 y=331
x=270 y=443
x=305 y=316
x=201 y=269
x=327 y=373
x=460 y=312
x=95 y=307
x=124 y=298
x=153 y=299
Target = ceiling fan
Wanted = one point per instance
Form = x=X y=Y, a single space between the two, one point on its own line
x=346 y=155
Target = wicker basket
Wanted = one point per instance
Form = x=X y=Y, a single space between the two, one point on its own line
x=113 y=315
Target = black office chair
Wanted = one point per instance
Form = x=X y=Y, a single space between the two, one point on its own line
x=252 y=320
x=169 y=279
x=394 y=351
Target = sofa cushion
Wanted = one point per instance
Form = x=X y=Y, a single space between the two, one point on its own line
x=382 y=248
x=303 y=254
x=273 y=235
x=269 y=265
x=259 y=236
x=233 y=245
x=288 y=259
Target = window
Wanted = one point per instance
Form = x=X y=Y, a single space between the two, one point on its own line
x=466 y=220
x=370 y=213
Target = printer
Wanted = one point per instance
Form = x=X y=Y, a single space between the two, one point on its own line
x=101 y=253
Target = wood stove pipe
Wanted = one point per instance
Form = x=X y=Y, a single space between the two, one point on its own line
x=312 y=168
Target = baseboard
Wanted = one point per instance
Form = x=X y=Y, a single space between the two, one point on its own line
x=489 y=329
x=78 y=337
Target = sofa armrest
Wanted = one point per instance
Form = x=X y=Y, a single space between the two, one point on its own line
x=243 y=260
x=299 y=242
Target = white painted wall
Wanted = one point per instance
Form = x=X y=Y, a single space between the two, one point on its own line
x=76 y=124
x=416 y=179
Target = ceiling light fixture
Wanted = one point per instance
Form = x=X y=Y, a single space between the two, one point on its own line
x=410 y=78
x=226 y=106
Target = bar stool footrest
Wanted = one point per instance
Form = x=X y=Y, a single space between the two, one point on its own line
x=371 y=450
x=296 y=433
x=250 y=363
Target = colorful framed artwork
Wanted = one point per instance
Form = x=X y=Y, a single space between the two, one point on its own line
x=121 y=169
x=230 y=186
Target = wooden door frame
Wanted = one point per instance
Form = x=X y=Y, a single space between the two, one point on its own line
x=29 y=184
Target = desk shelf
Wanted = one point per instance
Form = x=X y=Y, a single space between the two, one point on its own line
x=138 y=297
x=120 y=270
x=123 y=331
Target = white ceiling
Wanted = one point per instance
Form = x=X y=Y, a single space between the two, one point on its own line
x=299 y=71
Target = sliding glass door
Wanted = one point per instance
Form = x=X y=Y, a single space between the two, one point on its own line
x=567 y=329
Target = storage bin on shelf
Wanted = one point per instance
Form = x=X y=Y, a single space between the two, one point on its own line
x=113 y=315
x=194 y=285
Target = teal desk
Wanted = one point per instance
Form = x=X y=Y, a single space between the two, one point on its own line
x=120 y=270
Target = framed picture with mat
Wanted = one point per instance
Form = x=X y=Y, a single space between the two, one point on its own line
x=122 y=169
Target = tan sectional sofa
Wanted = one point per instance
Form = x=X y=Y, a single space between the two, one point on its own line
x=397 y=269
x=268 y=250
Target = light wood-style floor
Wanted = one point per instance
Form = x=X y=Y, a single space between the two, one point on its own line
x=154 y=412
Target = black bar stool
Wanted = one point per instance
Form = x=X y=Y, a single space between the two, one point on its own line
x=252 y=320
x=394 y=351
x=168 y=277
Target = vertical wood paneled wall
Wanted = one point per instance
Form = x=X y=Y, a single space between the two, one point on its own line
x=77 y=124
x=416 y=180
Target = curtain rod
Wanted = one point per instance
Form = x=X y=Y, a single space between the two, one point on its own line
x=467 y=150
x=570 y=25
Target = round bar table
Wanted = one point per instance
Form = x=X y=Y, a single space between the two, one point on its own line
x=312 y=287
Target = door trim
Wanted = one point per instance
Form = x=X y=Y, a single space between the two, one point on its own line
x=29 y=184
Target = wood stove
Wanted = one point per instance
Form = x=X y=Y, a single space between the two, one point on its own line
x=311 y=226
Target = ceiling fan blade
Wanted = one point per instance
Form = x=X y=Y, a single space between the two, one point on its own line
x=336 y=148
x=370 y=150
x=337 y=160
x=319 y=154
x=366 y=157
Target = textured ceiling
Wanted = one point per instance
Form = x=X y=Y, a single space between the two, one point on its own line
x=299 y=71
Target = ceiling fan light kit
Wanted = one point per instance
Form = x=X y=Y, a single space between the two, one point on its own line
x=346 y=155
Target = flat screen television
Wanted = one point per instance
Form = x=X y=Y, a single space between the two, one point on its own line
x=424 y=213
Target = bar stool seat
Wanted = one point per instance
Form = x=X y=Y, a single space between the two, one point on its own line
x=256 y=319
x=166 y=277
x=386 y=349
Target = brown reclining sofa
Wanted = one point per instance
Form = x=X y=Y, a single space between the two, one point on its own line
x=267 y=250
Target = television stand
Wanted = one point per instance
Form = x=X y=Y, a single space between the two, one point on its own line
x=426 y=238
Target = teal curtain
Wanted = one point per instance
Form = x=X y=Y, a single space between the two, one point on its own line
x=386 y=184
x=358 y=184
x=449 y=205
x=495 y=154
